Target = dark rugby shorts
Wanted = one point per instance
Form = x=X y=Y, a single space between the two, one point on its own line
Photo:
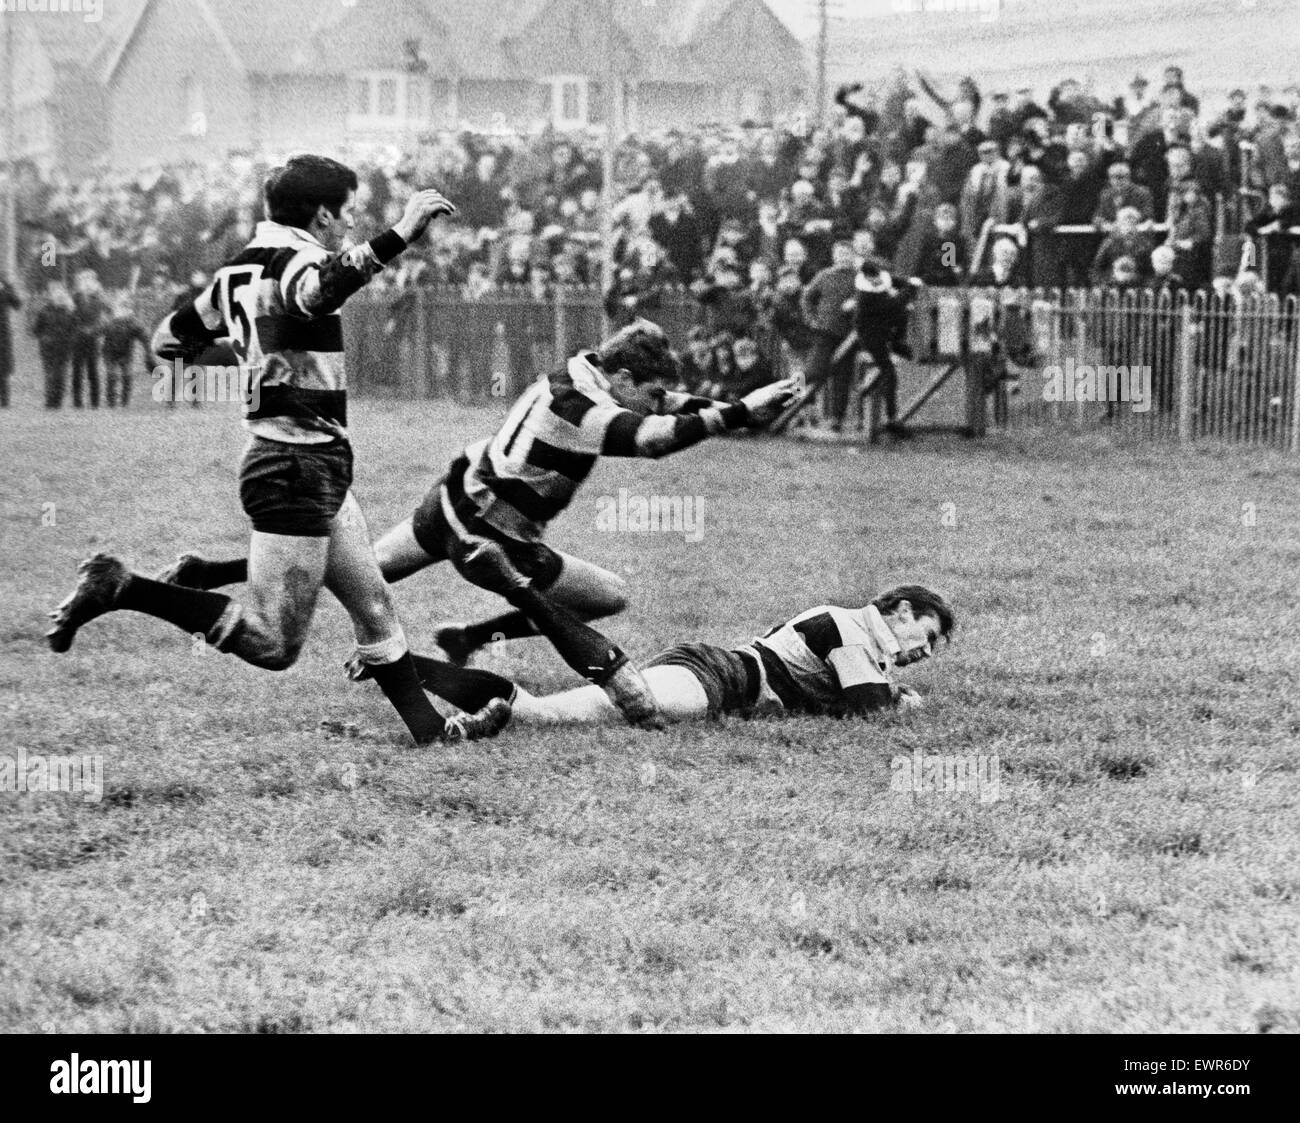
x=294 y=489
x=533 y=563
x=731 y=679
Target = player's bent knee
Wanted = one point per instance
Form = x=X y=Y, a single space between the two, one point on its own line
x=614 y=595
x=279 y=658
x=489 y=567
x=591 y=594
x=606 y=598
x=375 y=613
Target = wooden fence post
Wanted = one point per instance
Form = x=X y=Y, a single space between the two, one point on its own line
x=976 y=398
x=1186 y=364
x=561 y=328
x=1295 y=382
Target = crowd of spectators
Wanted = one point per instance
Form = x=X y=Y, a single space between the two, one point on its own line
x=957 y=187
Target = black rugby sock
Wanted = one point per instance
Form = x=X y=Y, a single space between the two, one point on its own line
x=401 y=686
x=218 y=573
x=509 y=625
x=589 y=653
x=512 y=625
x=466 y=688
x=191 y=610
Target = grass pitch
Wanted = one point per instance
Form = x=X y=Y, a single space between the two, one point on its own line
x=1126 y=648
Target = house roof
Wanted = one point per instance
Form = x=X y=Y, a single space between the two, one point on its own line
x=669 y=30
x=483 y=39
x=278 y=37
x=70 y=41
x=479 y=31
x=674 y=23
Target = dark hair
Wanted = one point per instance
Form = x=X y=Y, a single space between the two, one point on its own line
x=642 y=350
x=295 y=190
x=924 y=602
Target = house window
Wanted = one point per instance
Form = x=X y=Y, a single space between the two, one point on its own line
x=361 y=97
x=569 y=102
x=755 y=105
x=390 y=99
x=417 y=98
x=195 y=121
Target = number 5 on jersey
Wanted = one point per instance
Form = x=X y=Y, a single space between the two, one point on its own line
x=237 y=301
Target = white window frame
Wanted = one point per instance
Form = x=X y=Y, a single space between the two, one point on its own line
x=559 y=119
x=401 y=118
x=195 y=126
x=753 y=103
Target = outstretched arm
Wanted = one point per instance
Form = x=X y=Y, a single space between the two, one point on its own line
x=681 y=404
x=655 y=435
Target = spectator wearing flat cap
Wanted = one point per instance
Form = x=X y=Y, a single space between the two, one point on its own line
x=1120 y=192
x=1230 y=129
x=984 y=196
x=827 y=305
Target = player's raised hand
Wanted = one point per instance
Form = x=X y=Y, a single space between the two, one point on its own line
x=766 y=403
x=421 y=209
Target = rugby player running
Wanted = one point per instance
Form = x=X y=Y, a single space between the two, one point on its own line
x=489 y=513
x=277 y=302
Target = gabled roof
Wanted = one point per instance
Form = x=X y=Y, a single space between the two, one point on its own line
x=472 y=38
x=664 y=33
x=479 y=31
x=673 y=23
x=276 y=36
x=68 y=40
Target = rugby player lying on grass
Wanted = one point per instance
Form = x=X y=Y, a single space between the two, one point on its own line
x=827 y=660
x=489 y=513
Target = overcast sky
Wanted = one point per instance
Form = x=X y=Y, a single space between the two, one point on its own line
x=801 y=15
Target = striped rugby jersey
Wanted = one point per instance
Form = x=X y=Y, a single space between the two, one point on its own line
x=518 y=480
x=278 y=308
x=813 y=657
